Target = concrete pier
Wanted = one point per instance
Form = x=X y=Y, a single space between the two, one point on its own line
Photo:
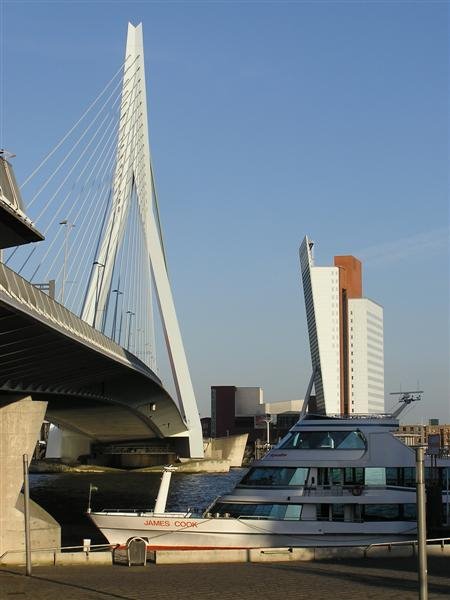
x=20 y=422
x=66 y=445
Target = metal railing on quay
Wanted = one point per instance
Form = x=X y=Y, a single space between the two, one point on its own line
x=84 y=548
x=442 y=542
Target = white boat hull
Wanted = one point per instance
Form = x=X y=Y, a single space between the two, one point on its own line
x=167 y=532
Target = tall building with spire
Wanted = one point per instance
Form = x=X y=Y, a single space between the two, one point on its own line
x=345 y=336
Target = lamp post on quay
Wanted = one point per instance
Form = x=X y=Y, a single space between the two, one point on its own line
x=421 y=523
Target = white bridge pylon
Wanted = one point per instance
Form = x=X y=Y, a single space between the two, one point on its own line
x=134 y=173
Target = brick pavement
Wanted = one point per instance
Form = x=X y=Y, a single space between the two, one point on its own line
x=370 y=579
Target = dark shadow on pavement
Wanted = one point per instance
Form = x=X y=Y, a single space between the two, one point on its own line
x=380 y=580
x=66 y=584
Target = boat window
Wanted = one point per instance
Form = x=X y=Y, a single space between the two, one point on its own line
x=337 y=512
x=403 y=476
x=278 y=511
x=357 y=513
x=353 y=475
x=323 y=512
x=323 y=476
x=409 y=476
x=409 y=512
x=406 y=476
x=325 y=440
x=381 y=512
x=375 y=476
x=336 y=476
x=285 y=512
x=275 y=476
x=390 y=512
x=293 y=511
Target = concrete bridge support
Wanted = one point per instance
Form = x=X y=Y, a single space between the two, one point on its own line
x=66 y=445
x=20 y=422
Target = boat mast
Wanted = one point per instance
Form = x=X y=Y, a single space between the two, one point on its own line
x=161 y=500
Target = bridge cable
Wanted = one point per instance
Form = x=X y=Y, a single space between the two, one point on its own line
x=50 y=154
x=124 y=154
x=52 y=198
x=81 y=206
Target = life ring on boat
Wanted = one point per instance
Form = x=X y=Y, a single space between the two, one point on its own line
x=357 y=490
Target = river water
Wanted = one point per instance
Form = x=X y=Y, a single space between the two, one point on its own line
x=65 y=495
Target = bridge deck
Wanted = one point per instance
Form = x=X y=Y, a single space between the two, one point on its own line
x=92 y=384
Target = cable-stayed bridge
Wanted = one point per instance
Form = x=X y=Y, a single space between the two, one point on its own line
x=78 y=333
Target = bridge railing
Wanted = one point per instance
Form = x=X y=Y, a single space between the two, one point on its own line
x=48 y=309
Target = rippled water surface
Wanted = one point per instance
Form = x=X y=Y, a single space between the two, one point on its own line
x=65 y=495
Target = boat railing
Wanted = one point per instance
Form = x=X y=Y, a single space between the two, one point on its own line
x=334 y=490
x=356 y=416
x=253 y=517
x=207 y=510
x=442 y=542
x=263 y=518
x=444 y=452
x=126 y=510
x=145 y=511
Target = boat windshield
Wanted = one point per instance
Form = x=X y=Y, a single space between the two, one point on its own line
x=275 y=476
x=258 y=511
x=325 y=440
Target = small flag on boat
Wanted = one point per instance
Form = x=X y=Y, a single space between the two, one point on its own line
x=92 y=488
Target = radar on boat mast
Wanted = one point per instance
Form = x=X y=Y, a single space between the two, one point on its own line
x=405 y=399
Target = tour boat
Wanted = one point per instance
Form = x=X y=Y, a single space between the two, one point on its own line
x=331 y=481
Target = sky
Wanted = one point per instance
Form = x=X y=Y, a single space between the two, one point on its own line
x=268 y=121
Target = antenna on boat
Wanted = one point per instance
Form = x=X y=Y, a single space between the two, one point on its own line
x=405 y=400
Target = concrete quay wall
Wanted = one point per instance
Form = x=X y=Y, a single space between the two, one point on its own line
x=254 y=555
x=259 y=555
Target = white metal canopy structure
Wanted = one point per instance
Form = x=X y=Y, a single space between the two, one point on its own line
x=133 y=178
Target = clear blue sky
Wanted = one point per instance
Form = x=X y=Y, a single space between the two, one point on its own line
x=269 y=121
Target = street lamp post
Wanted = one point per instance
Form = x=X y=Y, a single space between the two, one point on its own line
x=119 y=337
x=114 y=323
x=268 y=420
x=148 y=355
x=131 y=314
x=137 y=344
x=68 y=227
x=99 y=266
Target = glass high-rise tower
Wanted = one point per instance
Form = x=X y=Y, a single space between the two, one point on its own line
x=345 y=336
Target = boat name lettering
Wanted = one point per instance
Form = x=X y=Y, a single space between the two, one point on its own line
x=279 y=454
x=163 y=523
x=185 y=524
x=157 y=523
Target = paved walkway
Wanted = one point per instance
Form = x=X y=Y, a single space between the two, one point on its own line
x=371 y=579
